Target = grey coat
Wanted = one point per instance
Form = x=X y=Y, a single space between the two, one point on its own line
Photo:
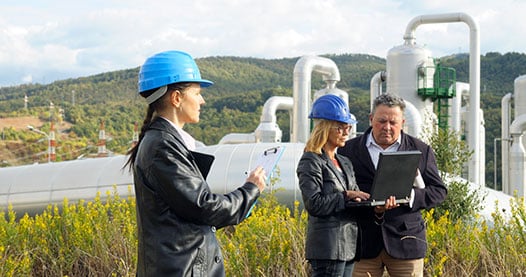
x=332 y=230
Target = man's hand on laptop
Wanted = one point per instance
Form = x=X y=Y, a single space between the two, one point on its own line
x=390 y=203
x=356 y=195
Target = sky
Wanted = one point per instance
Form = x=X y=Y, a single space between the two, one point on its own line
x=42 y=41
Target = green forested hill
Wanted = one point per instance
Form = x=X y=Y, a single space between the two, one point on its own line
x=233 y=104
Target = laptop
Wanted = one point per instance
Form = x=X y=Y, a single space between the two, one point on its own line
x=395 y=175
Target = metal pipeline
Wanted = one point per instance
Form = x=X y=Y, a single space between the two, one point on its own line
x=301 y=91
x=476 y=169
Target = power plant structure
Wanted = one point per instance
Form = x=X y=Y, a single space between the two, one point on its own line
x=411 y=72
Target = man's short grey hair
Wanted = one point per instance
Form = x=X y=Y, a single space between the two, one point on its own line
x=389 y=100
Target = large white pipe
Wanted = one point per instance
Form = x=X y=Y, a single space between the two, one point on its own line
x=517 y=166
x=505 y=106
x=520 y=95
x=475 y=166
x=518 y=156
x=375 y=86
x=301 y=91
x=268 y=129
x=456 y=105
x=413 y=120
x=272 y=105
x=237 y=138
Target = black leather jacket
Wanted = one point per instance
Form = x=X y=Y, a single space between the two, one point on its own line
x=332 y=230
x=177 y=214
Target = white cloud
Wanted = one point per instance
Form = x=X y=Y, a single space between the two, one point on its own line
x=62 y=39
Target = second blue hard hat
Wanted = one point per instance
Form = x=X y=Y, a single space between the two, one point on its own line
x=331 y=107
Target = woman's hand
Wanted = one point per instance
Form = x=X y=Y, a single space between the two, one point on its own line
x=258 y=177
x=356 y=195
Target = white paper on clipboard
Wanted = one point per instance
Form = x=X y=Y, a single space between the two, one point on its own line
x=269 y=159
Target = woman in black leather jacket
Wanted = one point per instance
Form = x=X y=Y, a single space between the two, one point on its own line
x=177 y=214
x=327 y=181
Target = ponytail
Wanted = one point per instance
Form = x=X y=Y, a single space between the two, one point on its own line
x=145 y=125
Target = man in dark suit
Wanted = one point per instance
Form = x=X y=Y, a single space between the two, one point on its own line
x=396 y=238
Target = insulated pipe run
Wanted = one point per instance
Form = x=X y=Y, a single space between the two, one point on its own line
x=505 y=106
x=274 y=104
x=376 y=85
x=456 y=106
x=518 y=156
x=518 y=126
x=301 y=91
x=517 y=166
x=475 y=166
x=413 y=120
x=268 y=129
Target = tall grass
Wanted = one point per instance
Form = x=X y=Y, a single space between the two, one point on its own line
x=84 y=239
x=480 y=247
x=269 y=243
x=98 y=238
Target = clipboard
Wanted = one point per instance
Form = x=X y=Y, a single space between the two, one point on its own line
x=269 y=159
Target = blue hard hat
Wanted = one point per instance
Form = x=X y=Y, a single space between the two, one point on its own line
x=331 y=107
x=167 y=68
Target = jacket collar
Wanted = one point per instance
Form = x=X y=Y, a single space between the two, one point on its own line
x=345 y=167
x=161 y=124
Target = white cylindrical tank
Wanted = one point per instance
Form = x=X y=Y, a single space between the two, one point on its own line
x=456 y=105
x=520 y=95
x=30 y=188
x=520 y=98
x=403 y=63
x=232 y=160
x=413 y=120
x=517 y=165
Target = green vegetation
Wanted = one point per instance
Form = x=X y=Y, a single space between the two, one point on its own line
x=494 y=247
x=99 y=239
x=462 y=203
x=84 y=239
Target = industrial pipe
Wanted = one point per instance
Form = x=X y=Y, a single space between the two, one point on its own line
x=476 y=170
x=505 y=141
x=301 y=91
x=375 y=86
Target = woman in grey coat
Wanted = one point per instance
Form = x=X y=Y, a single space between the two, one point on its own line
x=327 y=181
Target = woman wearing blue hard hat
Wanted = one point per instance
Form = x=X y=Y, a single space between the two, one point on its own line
x=177 y=214
x=327 y=182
